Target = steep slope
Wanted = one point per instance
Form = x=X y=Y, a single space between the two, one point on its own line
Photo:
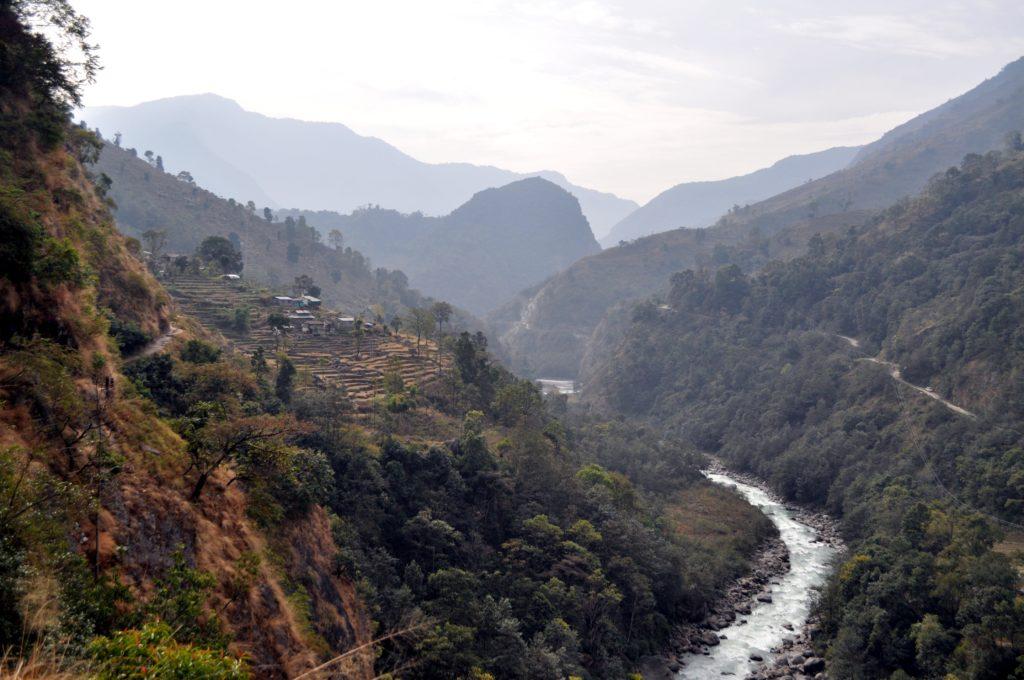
x=97 y=532
x=553 y=324
x=496 y=244
x=322 y=166
x=848 y=377
x=698 y=204
x=273 y=252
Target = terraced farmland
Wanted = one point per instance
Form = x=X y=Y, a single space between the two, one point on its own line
x=328 y=359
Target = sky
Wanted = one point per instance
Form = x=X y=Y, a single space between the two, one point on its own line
x=630 y=97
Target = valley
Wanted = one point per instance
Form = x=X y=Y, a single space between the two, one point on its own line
x=279 y=400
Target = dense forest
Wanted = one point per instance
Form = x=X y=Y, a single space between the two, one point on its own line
x=789 y=374
x=185 y=511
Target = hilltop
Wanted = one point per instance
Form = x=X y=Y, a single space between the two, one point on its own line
x=290 y=163
x=497 y=243
x=549 y=328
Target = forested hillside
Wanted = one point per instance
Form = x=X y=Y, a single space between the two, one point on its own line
x=698 y=204
x=499 y=242
x=147 y=199
x=550 y=327
x=284 y=162
x=827 y=375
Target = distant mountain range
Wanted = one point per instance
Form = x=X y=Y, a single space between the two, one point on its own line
x=698 y=204
x=279 y=162
x=555 y=327
x=499 y=242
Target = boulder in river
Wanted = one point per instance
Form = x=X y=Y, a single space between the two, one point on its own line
x=813 y=665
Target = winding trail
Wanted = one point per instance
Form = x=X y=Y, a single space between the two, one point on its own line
x=896 y=374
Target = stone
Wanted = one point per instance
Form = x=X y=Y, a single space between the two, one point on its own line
x=813 y=665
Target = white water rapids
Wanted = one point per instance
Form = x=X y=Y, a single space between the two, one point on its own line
x=810 y=564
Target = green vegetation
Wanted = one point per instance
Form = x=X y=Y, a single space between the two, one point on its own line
x=487 y=250
x=152 y=652
x=225 y=235
x=220 y=254
x=755 y=369
x=533 y=557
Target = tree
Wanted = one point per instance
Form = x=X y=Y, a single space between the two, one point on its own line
x=268 y=215
x=219 y=251
x=160 y=163
x=335 y=238
x=293 y=253
x=155 y=240
x=186 y=176
x=442 y=311
x=258 y=361
x=225 y=440
x=284 y=384
x=303 y=284
x=149 y=156
x=117 y=139
x=277 y=321
x=422 y=322
x=250 y=206
x=358 y=330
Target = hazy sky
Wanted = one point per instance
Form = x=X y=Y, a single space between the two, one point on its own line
x=630 y=97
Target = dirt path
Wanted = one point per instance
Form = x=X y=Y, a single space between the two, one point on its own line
x=154 y=347
x=894 y=371
x=895 y=374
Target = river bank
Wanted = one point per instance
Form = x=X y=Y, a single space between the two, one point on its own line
x=760 y=628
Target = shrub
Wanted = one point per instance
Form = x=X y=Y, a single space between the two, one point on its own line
x=199 y=352
x=152 y=653
x=128 y=336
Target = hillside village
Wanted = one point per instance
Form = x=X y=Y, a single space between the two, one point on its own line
x=329 y=348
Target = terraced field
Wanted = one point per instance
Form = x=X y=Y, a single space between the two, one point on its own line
x=327 y=360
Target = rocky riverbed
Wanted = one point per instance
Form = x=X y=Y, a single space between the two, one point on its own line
x=760 y=628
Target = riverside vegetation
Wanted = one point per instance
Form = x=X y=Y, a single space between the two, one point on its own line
x=188 y=513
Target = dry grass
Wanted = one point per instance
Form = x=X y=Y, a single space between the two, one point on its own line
x=39 y=664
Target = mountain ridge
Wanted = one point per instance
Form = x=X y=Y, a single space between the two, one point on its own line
x=313 y=164
x=553 y=325
x=698 y=204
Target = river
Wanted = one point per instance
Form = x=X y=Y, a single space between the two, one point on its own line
x=810 y=563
